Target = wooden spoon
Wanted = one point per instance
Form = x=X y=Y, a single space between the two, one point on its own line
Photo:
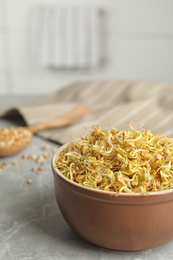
x=14 y=139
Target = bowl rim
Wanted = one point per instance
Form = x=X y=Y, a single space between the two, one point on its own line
x=57 y=173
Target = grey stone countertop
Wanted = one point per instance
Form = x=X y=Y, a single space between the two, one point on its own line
x=31 y=225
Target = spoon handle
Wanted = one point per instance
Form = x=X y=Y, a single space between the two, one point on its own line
x=61 y=121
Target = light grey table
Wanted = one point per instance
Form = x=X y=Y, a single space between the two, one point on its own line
x=31 y=225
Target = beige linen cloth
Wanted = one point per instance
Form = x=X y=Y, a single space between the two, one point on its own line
x=114 y=104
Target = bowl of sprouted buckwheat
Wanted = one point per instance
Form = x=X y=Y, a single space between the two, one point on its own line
x=114 y=187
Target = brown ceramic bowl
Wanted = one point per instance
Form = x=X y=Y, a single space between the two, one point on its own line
x=129 y=222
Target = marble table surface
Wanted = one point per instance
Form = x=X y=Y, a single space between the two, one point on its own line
x=31 y=225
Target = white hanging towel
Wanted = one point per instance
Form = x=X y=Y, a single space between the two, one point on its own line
x=66 y=37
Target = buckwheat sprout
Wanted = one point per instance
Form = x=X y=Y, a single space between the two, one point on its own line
x=130 y=161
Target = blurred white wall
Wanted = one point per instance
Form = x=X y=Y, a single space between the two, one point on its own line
x=137 y=39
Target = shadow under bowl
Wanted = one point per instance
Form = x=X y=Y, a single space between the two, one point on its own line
x=128 y=222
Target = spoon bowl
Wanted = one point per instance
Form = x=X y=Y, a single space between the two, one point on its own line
x=10 y=150
x=14 y=139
